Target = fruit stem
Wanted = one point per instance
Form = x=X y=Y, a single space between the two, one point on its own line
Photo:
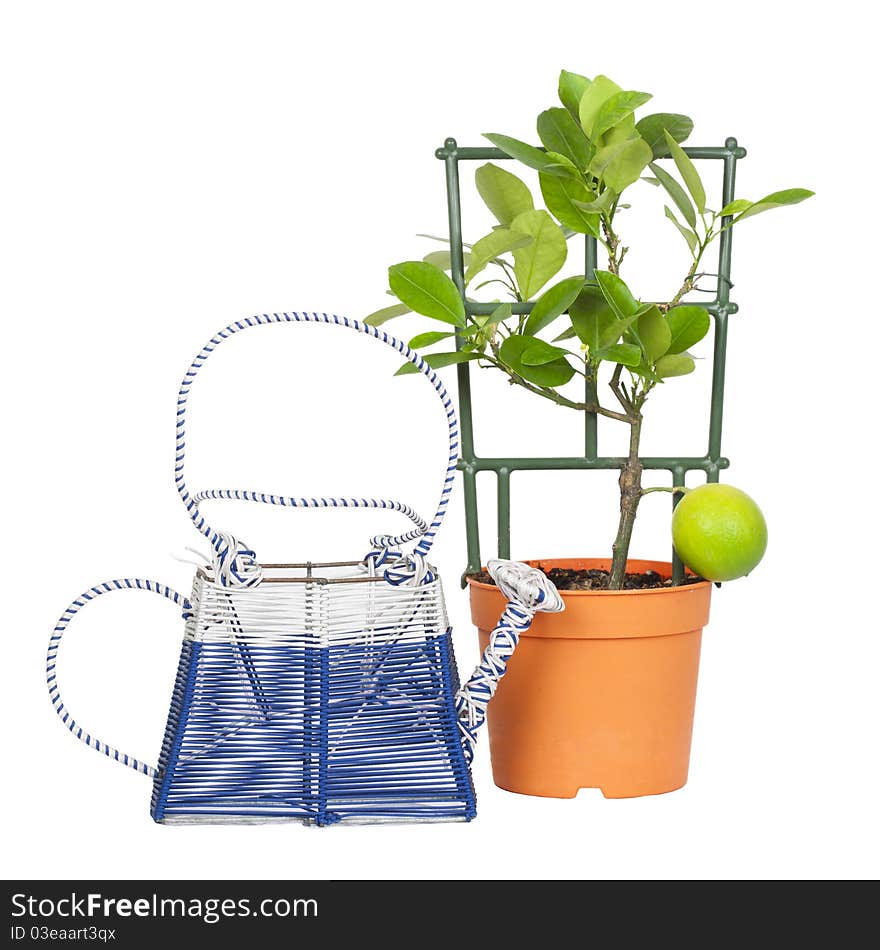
x=674 y=488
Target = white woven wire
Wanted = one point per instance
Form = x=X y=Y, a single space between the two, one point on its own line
x=350 y=609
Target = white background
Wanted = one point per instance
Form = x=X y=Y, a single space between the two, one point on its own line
x=171 y=167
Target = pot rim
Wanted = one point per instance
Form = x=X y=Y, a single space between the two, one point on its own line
x=538 y=561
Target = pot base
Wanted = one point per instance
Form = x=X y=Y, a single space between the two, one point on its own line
x=610 y=792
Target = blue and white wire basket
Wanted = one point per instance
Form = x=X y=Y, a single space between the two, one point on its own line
x=320 y=693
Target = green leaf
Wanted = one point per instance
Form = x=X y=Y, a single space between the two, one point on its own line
x=568 y=334
x=615 y=109
x=677 y=193
x=504 y=194
x=407 y=369
x=688 y=172
x=378 y=317
x=497 y=242
x=540 y=353
x=439 y=360
x=653 y=334
x=621 y=163
x=427 y=290
x=442 y=240
x=674 y=364
x=559 y=133
x=529 y=155
x=600 y=90
x=626 y=353
x=617 y=294
x=591 y=316
x=601 y=204
x=428 y=339
x=688 y=325
x=686 y=233
x=561 y=167
x=555 y=373
x=552 y=303
x=646 y=372
x=443 y=259
x=564 y=199
x=572 y=87
x=615 y=330
x=779 y=199
x=501 y=313
x=735 y=207
x=652 y=127
x=536 y=262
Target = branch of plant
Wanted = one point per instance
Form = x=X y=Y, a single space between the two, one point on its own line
x=688 y=283
x=511 y=277
x=551 y=394
x=619 y=394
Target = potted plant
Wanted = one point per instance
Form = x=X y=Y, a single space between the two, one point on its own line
x=601 y=695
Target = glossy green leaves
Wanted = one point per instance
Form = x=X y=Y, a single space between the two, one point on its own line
x=617 y=294
x=600 y=90
x=529 y=155
x=443 y=259
x=552 y=304
x=560 y=133
x=654 y=342
x=688 y=172
x=616 y=110
x=677 y=193
x=565 y=199
x=495 y=243
x=688 y=324
x=524 y=355
x=427 y=290
x=779 y=199
x=438 y=361
x=621 y=163
x=503 y=193
x=674 y=364
x=653 y=129
x=539 y=260
x=572 y=87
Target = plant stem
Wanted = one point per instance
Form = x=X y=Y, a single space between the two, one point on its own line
x=630 y=494
x=612 y=242
x=688 y=283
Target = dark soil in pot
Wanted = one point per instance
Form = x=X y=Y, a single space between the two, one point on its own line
x=595 y=579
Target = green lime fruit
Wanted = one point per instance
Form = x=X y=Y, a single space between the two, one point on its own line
x=719 y=532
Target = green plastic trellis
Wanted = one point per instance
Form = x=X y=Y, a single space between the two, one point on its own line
x=721 y=307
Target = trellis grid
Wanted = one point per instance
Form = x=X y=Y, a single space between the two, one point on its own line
x=720 y=308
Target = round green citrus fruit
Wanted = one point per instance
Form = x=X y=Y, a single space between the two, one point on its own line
x=719 y=532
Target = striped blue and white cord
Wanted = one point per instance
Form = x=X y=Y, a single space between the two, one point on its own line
x=235 y=563
x=128 y=583
x=528 y=591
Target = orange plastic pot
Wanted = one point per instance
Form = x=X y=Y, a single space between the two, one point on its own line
x=600 y=695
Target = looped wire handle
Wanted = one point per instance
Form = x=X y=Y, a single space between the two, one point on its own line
x=528 y=591
x=236 y=563
x=128 y=583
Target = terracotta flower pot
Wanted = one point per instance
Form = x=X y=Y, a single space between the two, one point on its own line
x=600 y=695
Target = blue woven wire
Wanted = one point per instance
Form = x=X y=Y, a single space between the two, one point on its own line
x=275 y=728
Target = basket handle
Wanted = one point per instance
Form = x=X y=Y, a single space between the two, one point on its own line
x=528 y=591
x=128 y=583
x=227 y=551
